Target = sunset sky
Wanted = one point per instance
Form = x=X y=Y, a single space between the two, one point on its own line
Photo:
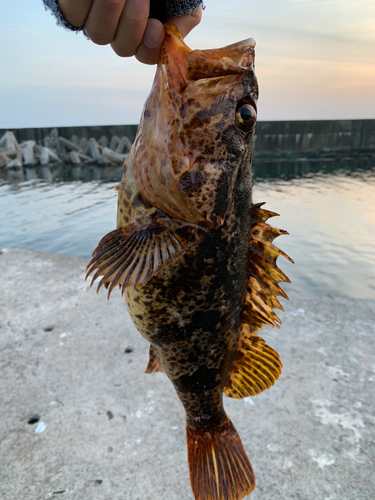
x=315 y=59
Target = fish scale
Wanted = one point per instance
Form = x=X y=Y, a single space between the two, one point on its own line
x=193 y=256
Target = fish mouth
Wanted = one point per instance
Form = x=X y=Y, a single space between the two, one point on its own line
x=193 y=65
x=231 y=60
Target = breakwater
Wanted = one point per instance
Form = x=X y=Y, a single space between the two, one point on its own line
x=283 y=137
x=88 y=132
x=32 y=147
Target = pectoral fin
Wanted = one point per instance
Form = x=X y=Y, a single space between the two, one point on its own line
x=131 y=255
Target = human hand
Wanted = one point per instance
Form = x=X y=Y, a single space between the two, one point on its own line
x=125 y=25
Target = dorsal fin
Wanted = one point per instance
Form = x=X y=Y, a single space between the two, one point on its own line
x=257 y=366
x=263 y=286
x=131 y=255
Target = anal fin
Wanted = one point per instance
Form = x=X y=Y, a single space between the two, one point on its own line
x=256 y=368
x=153 y=362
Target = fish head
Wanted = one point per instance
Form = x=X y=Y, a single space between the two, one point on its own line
x=196 y=132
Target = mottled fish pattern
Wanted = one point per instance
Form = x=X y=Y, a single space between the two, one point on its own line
x=192 y=254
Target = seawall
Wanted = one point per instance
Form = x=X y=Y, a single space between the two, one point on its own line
x=270 y=136
x=318 y=135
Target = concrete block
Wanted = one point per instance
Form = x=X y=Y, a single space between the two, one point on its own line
x=110 y=156
x=10 y=146
x=63 y=152
x=94 y=149
x=69 y=145
x=8 y=142
x=48 y=156
x=114 y=142
x=12 y=155
x=4 y=159
x=16 y=163
x=84 y=145
x=51 y=140
x=75 y=140
x=103 y=141
x=77 y=158
x=27 y=148
x=37 y=152
x=60 y=149
x=123 y=145
x=85 y=158
x=44 y=156
x=74 y=157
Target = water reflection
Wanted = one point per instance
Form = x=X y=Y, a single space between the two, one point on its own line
x=62 y=173
x=326 y=203
x=284 y=167
x=331 y=221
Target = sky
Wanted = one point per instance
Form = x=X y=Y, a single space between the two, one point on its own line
x=315 y=59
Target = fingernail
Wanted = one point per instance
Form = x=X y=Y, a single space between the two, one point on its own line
x=153 y=37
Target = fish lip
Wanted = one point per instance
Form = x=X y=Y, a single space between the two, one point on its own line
x=237 y=58
x=186 y=65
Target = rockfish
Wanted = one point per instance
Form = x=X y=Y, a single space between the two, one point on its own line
x=193 y=255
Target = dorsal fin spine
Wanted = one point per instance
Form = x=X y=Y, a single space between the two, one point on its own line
x=257 y=366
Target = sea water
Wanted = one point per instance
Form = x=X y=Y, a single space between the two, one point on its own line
x=326 y=203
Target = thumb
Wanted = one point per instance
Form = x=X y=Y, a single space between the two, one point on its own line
x=188 y=21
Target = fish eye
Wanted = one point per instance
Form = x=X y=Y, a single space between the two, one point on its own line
x=246 y=114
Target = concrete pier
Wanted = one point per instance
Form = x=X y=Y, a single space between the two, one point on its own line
x=80 y=420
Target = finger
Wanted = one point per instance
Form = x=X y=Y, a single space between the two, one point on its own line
x=131 y=27
x=188 y=21
x=148 y=51
x=103 y=19
x=75 y=11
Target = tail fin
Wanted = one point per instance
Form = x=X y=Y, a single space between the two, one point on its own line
x=219 y=467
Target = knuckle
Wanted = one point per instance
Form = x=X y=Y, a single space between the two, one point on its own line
x=133 y=22
x=98 y=38
x=113 y=3
x=122 y=51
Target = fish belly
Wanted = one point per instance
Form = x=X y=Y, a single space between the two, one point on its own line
x=191 y=314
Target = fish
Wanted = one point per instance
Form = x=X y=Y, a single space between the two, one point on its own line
x=194 y=256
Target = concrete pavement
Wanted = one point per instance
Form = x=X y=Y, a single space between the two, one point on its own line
x=72 y=364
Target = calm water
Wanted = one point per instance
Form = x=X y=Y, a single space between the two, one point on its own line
x=326 y=203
